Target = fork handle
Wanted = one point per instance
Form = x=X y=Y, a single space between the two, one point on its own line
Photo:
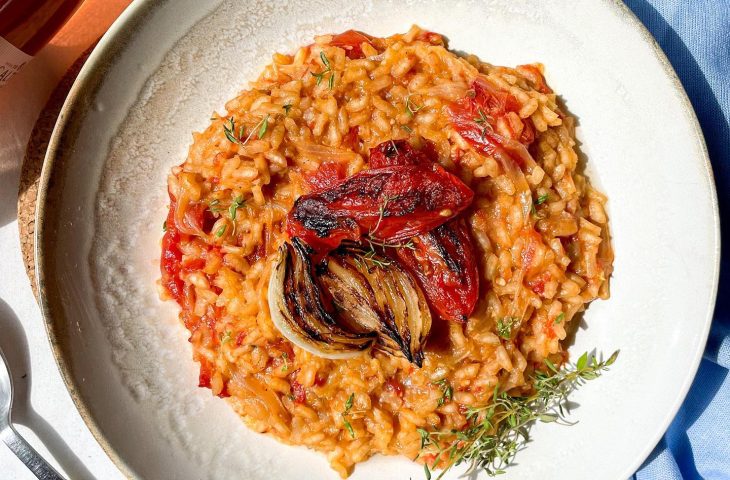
x=27 y=454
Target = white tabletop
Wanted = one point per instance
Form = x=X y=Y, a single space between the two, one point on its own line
x=43 y=411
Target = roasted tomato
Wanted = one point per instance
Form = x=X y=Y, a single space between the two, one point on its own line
x=351 y=41
x=444 y=263
x=443 y=259
x=389 y=204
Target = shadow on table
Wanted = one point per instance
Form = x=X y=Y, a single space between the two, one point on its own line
x=713 y=370
x=15 y=346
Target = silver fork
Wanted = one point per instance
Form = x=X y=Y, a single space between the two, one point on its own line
x=11 y=438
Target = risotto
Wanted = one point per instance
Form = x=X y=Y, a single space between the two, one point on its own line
x=495 y=155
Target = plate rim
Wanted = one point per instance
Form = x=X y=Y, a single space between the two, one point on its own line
x=118 y=36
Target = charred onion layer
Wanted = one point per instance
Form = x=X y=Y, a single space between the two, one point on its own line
x=359 y=301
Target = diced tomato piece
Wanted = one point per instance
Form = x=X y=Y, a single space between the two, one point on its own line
x=393 y=385
x=432 y=37
x=351 y=41
x=350 y=140
x=536 y=77
x=171 y=257
x=298 y=391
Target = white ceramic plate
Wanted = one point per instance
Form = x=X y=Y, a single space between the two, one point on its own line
x=166 y=65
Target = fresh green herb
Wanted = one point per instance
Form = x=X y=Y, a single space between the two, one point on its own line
x=559 y=318
x=348 y=407
x=225 y=338
x=447 y=391
x=164 y=226
x=542 y=199
x=213 y=206
x=411 y=108
x=348 y=426
x=264 y=126
x=382 y=210
x=367 y=259
x=407 y=128
x=483 y=120
x=328 y=69
x=213 y=118
x=373 y=243
x=260 y=129
x=533 y=211
x=230 y=130
x=497 y=431
x=427 y=472
x=237 y=203
x=325 y=60
x=285 y=367
x=219 y=233
x=286 y=108
x=504 y=326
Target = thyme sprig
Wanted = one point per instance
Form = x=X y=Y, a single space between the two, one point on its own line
x=230 y=131
x=328 y=69
x=368 y=258
x=497 y=431
x=484 y=121
x=382 y=209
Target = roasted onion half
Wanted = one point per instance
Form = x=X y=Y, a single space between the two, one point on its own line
x=300 y=310
x=376 y=294
x=359 y=300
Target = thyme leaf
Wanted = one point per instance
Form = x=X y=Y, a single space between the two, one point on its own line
x=328 y=69
x=348 y=407
x=285 y=367
x=237 y=203
x=230 y=131
x=484 y=121
x=264 y=126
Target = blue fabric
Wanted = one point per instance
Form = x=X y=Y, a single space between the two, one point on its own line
x=695 y=35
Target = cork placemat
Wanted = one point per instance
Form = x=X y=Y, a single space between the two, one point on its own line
x=35 y=153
